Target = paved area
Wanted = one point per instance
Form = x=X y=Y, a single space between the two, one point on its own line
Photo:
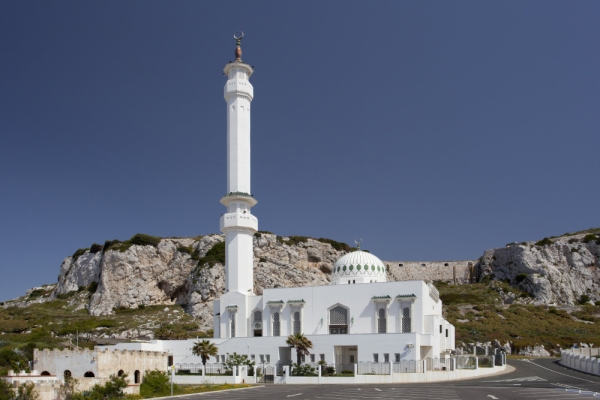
x=540 y=379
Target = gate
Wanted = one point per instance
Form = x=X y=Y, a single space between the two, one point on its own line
x=267 y=375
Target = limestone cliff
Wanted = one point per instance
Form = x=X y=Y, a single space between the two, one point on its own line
x=554 y=271
x=172 y=271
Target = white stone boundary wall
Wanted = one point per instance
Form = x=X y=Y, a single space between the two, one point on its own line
x=241 y=376
x=580 y=362
x=445 y=271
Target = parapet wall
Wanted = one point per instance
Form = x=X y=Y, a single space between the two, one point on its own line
x=99 y=363
x=444 y=271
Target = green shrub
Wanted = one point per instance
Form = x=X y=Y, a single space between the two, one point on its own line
x=141 y=239
x=216 y=255
x=95 y=248
x=79 y=253
x=339 y=246
x=521 y=277
x=155 y=384
x=194 y=253
x=584 y=299
x=589 y=238
x=13 y=326
x=36 y=293
x=113 y=389
x=544 y=242
x=64 y=296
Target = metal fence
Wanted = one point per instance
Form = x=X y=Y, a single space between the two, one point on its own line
x=438 y=364
x=186 y=369
x=486 y=361
x=217 y=369
x=465 y=362
x=373 y=368
x=408 y=366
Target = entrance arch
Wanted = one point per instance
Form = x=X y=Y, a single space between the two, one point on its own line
x=136 y=376
x=89 y=374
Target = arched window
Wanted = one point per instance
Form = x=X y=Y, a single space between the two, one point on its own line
x=406 y=325
x=257 y=322
x=297 y=323
x=338 y=320
x=381 y=321
x=120 y=373
x=45 y=373
x=136 y=376
x=89 y=374
x=276 y=325
x=67 y=373
x=232 y=323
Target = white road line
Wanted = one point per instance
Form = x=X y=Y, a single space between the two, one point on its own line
x=560 y=373
x=294 y=395
x=379 y=390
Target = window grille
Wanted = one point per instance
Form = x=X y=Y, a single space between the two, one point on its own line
x=257 y=322
x=397 y=357
x=406 y=320
x=386 y=357
x=338 y=316
x=297 y=322
x=375 y=357
x=276 y=325
x=268 y=357
x=322 y=357
x=338 y=320
x=233 y=325
x=382 y=322
x=312 y=358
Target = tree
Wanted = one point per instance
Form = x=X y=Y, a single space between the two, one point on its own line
x=236 y=360
x=6 y=393
x=204 y=350
x=27 y=391
x=302 y=345
x=67 y=389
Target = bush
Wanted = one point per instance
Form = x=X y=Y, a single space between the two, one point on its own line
x=95 y=248
x=216 y=255
x=339 y=246
x=584 y=299
x=79 y=253
x=13 y=326
x=155 y=384
x=64 y=296
x=544 y=242
x=113 y=389
x=141 y=239
x=194 y=253
x=589 y=238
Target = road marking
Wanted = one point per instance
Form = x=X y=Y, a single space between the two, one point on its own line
x=560 y=373
x=293 y=395
x=526 y=379
x=566 y=386
x=493 y=397
x=379 y=390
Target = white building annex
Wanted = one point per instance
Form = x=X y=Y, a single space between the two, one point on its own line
x=358 y=317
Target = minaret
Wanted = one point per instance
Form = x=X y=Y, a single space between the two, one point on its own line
x=238 y=224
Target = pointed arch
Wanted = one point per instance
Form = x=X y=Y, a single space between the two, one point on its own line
x=338 y=317
x=257 y=322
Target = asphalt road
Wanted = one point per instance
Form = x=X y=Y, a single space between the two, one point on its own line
x=539 y=379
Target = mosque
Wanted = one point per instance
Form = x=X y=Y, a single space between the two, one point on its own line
x=358 y=317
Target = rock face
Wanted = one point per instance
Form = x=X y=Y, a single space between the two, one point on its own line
x=559 y=272
x=276 y=264
x=161 y=274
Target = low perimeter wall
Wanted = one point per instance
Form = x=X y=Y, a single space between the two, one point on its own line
x=394 y=377
x=429 y=376
x=582 y=363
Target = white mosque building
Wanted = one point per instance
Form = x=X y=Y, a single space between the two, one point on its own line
x=359 y=317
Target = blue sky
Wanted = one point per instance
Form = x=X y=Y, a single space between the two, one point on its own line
x=432 y=130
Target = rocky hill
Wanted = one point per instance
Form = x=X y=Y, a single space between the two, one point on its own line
x=560 y=271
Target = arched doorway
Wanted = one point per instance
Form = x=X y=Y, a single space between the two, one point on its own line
x=136 y=376
x=67 y=374
x=45 y=373
x=120 y=373
x=89 y=374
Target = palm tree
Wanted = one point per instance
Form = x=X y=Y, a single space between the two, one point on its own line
x=301 y=343
x=204 y=349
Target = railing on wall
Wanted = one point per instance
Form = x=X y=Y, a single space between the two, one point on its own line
x=373 y=368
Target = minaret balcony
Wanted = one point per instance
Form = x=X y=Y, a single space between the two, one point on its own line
x=238 y=87
x=239 y=221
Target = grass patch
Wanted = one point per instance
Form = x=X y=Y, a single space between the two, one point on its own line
x=544 y=242
x=139 y=239
x=79 y=253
